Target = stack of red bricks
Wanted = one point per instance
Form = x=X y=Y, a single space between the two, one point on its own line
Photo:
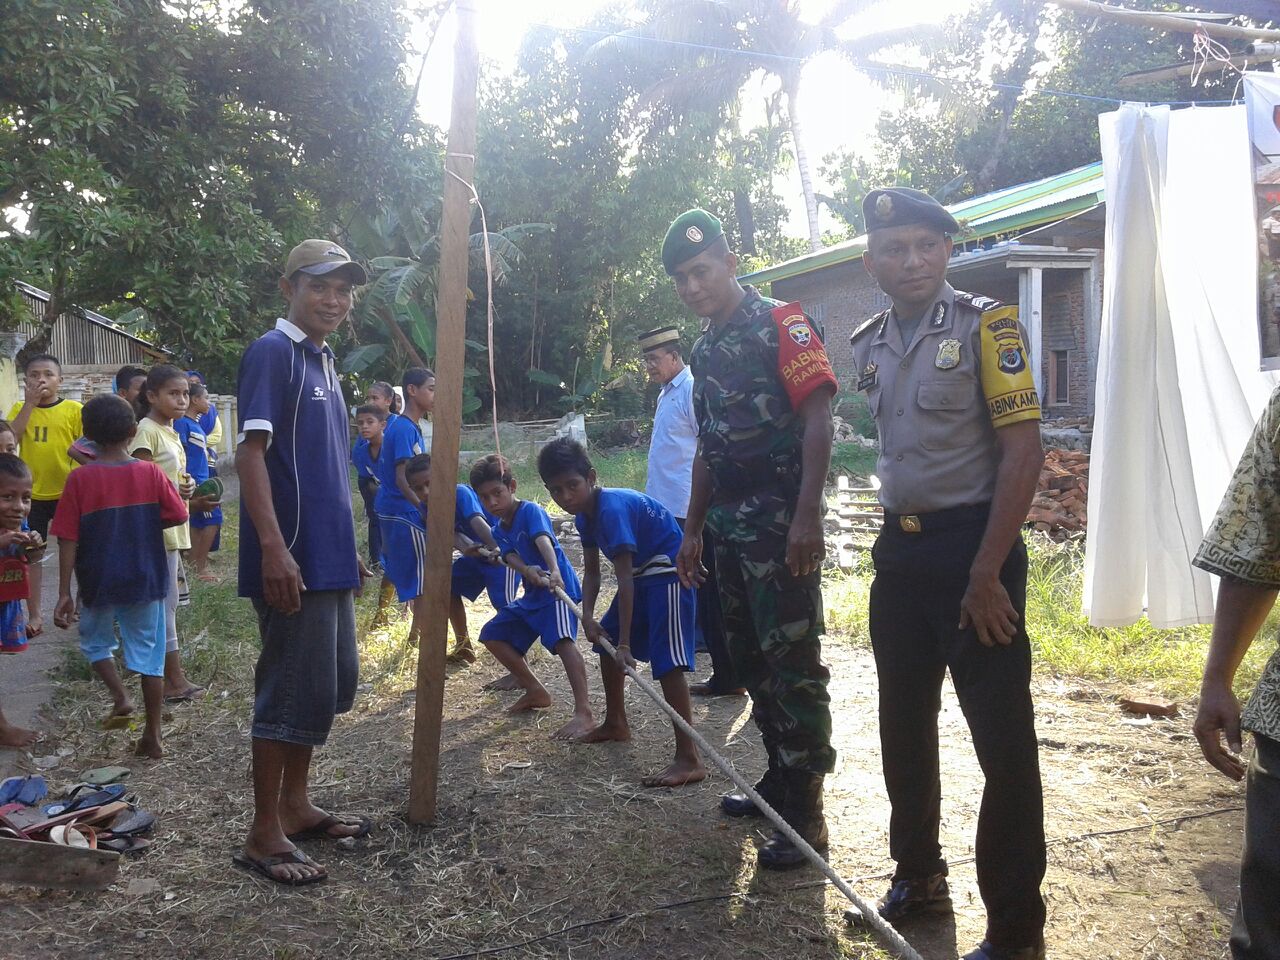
x=1060 y=506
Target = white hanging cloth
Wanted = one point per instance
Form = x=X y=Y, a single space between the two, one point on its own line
x=1178 y=382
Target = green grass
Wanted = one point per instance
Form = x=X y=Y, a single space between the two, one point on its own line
x=1063 y=642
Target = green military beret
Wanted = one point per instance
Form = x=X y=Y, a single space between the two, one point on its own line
x=689 y=234
x=902 y=206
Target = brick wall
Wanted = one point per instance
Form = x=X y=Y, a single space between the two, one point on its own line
x=1063 y=328
x=840 y=298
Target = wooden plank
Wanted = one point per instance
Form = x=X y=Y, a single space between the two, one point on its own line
x=51 y=865
x=451 y=319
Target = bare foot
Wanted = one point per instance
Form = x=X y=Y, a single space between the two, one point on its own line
x=11 y=736
x=576 y=728
x=509 y=682
x=536 y=699
x=607 y=731
x=208 y=577
x=148 y=748
x=680 y=773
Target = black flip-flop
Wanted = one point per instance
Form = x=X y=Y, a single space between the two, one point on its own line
x=186 y=696
x=320 y=831
x=263 y=865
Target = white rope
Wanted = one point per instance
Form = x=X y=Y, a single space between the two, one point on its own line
x=873 y=919
x=488 y=273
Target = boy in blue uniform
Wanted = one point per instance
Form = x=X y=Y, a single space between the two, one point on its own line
x=370 y=421
x=652 y=615
x=404 y=535
x=200 y=459
x=479 y=568
x=528 y=544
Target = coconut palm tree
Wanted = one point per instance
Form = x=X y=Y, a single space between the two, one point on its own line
x=705 y=51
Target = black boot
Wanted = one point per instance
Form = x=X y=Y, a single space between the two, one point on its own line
x=738 y=804
x=802 y=809
x=770 y=788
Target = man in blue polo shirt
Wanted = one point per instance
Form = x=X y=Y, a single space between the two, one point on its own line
x=298 y=560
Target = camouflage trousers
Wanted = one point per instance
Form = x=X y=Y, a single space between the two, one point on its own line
x=773 y=625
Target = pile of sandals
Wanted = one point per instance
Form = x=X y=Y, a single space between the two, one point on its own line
x=93 y=815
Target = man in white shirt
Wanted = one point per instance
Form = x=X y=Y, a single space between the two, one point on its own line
x=671 y=451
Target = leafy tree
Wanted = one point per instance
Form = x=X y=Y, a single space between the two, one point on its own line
x=960 y=136
x=703 y=52
x=166 y=156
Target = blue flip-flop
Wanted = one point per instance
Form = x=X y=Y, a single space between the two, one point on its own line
x=78 y=799
x=24 y=790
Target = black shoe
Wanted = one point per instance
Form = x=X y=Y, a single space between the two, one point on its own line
x=986 y=951
x=802 y=809
x=910 y=898
x=738 y=804
x=709 y=688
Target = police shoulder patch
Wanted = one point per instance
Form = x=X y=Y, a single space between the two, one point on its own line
x=980 y=303
x=871 y=324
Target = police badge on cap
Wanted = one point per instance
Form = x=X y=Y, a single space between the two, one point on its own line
x=887 y=207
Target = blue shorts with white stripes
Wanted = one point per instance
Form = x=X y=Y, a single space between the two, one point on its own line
x=662 y=619
x=522 y=626
x=404 y=552
x=472 y=576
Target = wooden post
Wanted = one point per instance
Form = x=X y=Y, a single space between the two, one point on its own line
x=451 y=308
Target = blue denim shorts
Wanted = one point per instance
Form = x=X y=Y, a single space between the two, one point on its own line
x=307 y=670
x=142 y=634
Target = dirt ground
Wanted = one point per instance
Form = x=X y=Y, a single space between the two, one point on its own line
x=534 y=836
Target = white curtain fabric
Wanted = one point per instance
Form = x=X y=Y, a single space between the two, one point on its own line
x=1179 y=387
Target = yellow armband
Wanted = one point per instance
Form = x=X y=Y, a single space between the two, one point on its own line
x=1007 y=384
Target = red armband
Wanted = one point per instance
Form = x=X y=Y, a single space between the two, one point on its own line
x=802 y=359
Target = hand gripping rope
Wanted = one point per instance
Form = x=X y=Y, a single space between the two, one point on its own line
x=868 y=913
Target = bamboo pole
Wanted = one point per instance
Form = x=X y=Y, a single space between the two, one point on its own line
x=451 y=307
x=1174 y=24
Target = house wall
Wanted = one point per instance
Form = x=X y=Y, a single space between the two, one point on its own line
x=1063 y=328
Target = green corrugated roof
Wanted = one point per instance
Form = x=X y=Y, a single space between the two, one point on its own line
x=1010 y=210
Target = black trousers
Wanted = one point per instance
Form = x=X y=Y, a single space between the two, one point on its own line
x=914 y=619
x=1255 y=935
x=369 y=490
x=710 y=619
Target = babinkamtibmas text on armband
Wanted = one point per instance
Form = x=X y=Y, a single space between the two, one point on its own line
x=803 y=364
x=1007 y=384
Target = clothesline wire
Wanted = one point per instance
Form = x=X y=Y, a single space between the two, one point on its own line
x=867 y=67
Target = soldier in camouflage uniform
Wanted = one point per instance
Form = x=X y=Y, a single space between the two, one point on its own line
x=762 y=396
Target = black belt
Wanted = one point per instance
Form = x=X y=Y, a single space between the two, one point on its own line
x=938 y=520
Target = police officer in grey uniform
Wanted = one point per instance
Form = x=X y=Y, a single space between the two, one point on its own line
x=946 y=376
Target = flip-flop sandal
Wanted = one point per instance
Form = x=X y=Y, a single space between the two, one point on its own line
x=186 y=696
x=130 y=823
x=23 y=790
x=79 y=799
x=129 y=846
x=263 y=865
x=101 y=776
x=320 y=831
x=118 y=721
x=74 y=835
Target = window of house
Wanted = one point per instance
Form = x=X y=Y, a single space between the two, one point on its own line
x=1059 y=377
